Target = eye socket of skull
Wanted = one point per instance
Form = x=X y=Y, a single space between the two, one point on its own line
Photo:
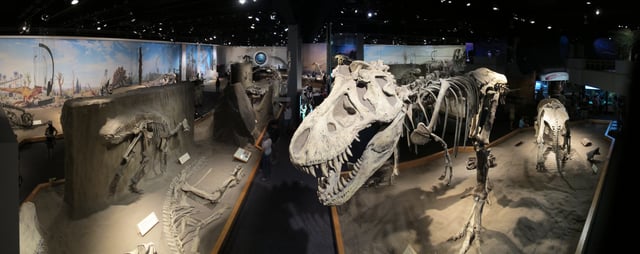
x=362 y=88
x=547 y=128
x=346 y=104
x=344 y=114
x=390 y=95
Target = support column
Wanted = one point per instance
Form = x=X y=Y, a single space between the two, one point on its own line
x=329 y=59
x=294 y=80
x=359 y=38
x=10 y=230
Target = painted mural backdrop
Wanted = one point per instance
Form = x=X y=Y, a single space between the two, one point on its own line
x=410 y=54
x=276 y=56
x=35 y=72
x=407 y=62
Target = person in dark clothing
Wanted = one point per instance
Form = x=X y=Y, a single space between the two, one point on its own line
x=217 y=84
x=273 y=128
x=50 y=135
x=265 y=163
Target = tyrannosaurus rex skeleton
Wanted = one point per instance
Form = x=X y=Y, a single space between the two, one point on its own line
x=365 y=99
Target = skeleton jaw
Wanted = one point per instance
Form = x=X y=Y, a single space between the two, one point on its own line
x=335 y=188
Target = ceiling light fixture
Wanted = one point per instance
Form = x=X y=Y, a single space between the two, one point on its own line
x=74 y=2
x=242 y=1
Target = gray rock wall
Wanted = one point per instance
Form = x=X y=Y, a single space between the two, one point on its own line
x=91 y=163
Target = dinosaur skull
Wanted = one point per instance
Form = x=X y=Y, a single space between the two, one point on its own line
x=489 y=80
x=364 y=95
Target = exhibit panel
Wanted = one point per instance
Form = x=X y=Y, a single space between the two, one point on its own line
x=527 y=210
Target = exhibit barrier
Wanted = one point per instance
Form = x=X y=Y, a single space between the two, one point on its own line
x=243 y=194
x=41 y=186
x=586 y=230
x=402 y=166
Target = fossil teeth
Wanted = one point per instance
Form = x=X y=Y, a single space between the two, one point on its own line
x=321 y=186
x=325 y=170
x=349 y=151
x=345 y=158
x=357 y=138
x=312 y=171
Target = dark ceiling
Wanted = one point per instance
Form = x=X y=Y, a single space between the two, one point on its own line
x=264 y=22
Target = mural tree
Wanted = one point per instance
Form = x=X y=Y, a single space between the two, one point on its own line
x=625 y=39
x=60 y=79
x=119 y=77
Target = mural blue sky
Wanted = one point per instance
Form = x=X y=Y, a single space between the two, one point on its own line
x=83 y=60
x=160 y=58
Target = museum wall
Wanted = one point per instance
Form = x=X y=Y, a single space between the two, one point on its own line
x=276 y=56
x=314 y=60
x=92 y=163
x=410 y=54
x=39 y=73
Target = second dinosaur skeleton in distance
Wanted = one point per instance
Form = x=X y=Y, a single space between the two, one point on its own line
x=152 y=129
x=552 y=133
x=364 y=96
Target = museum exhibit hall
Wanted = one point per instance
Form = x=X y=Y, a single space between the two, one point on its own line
x=337 y=127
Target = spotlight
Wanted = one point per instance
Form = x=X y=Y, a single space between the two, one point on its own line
x=242 y=1
x=25 y=28
x=74 y=2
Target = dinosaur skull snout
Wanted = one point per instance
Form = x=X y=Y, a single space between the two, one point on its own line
x=299 y=141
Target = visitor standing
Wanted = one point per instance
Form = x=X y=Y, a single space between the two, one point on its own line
x=273 y=129
x=265 y=162
x=217 y=84
x=286 y=125
x=522 y=123
x=50 y=135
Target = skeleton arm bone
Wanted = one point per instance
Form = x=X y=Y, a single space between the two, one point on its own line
x=184 y=124
x=126 y=155
x=200 y=193
x=422 y=129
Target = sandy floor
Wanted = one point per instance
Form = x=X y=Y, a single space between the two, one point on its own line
x=529 y=211
x=114 y=230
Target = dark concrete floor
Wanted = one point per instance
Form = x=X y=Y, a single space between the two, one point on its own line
x=282 y=214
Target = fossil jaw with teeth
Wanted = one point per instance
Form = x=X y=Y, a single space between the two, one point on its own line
x=364 y=95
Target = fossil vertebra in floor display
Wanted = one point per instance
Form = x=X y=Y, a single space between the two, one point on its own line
x=552 y=133
x=364 y=96
x=182 y=219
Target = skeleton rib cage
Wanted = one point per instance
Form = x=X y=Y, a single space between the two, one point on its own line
x=461 y=100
